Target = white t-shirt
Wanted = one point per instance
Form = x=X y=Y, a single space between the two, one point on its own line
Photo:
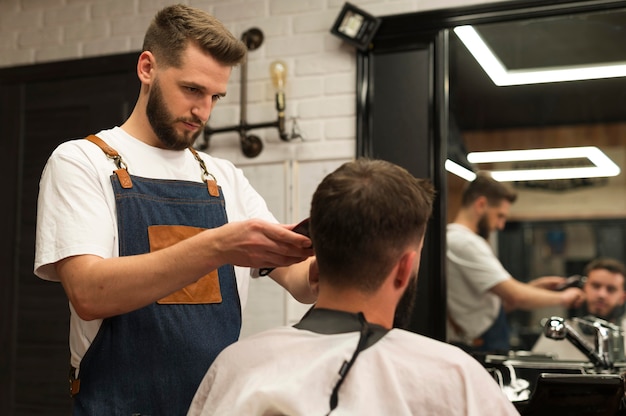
x=76 y=211
x=472 y=270
x=287 y=371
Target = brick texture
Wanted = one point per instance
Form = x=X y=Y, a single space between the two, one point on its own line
x=320 y=89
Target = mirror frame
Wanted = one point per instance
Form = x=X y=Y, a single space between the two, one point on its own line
x=403 y=32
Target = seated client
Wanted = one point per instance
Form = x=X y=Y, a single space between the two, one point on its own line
x=368 y=220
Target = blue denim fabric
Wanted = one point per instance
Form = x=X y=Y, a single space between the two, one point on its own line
x=496 y=338
x=151 y=361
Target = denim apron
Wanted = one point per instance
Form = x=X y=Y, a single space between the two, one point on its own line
x=496 y=337
x=151 y=361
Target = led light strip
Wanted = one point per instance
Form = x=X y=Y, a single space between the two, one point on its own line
x=603 y=165
x=501 y=76
x=459 y=170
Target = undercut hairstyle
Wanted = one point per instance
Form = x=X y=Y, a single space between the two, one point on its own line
x=363 y=215
x=605 y=263
x=485 y=185
x=174 y=27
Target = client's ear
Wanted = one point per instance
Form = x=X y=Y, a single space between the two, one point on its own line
x=404 y=270
x=314 y=276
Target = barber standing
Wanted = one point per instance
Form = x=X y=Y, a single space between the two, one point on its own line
x=153 y=241
x=480 y=290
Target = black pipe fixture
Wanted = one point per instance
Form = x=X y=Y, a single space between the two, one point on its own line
x=251 y=145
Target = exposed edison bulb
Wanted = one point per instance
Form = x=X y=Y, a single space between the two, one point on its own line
x=278 y=71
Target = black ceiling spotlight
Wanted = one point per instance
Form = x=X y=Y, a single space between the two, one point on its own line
x=251 y=145
x=355 y=26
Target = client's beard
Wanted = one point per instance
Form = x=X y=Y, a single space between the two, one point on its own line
x=404 y=310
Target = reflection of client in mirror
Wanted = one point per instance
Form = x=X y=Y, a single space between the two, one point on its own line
x=605 y=292
x=480 y=290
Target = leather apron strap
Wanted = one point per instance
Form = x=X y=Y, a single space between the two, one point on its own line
x=121 y=171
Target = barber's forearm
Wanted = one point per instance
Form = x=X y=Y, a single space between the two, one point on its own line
x=296 y=279
x=547 y=282
x=100 y=288
x=518 y=295
x=537 y=298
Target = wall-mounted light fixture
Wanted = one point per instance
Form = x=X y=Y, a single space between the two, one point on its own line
x=251 y=145
x=355 y=26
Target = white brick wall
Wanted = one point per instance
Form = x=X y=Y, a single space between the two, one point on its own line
x=321 y=83
x=320 y=88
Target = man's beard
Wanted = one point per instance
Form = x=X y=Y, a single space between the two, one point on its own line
x=483 y=227
x=162 y=122
x=610 y=316
x=404 y=310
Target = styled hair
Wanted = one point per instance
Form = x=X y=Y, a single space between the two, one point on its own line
x=605 y=263
x=363 y=215
x=485 y=185
x=174 y=27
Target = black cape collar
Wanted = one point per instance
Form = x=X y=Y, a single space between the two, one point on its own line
x=329 y=321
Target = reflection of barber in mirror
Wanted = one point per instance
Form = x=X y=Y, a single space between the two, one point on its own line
x=480 y=290
x=605 y=293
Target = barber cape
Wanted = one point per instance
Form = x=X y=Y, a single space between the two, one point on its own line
x=292 y=371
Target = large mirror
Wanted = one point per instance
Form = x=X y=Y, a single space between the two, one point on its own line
x=556 y=226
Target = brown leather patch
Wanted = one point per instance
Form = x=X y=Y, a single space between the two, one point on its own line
x=204 y=290
x=124 y=178
x=74 y=387
x=213 y=189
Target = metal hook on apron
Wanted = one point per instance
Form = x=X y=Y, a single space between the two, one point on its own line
x=206 y=175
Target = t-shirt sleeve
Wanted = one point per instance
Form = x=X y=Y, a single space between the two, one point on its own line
x=254 y=203
x=242 y=200
x=73 y=216
x=477 y=263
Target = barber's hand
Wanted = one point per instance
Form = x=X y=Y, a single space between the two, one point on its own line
x=257 y=243
x=548 y=282
x=572 y=297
